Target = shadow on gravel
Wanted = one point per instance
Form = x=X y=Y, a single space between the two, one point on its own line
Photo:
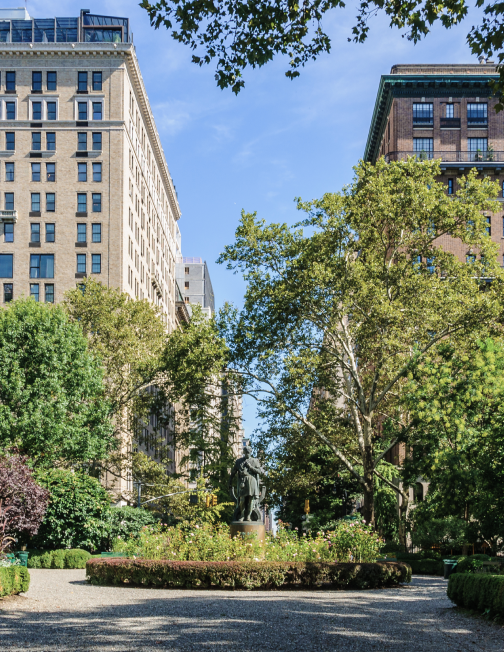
x=396 y=621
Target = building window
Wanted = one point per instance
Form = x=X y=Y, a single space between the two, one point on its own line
x=81 y=232
x=49 y=292
x=96 y=228
x=97 y=110
x=81 y=202
x=97 y=141
x=36 y=143
x=96 y=263
x=477 y=114
x=423 y=114
x=9 y=201
x=186 y=285
x=35 y=171
x=450 y=186
x=470 y=259
x=34 y=232
x=82 y=141
x=8 y=231
x=81 y=110
x=34 y=291
x=51 y=81
x=35 y=202
x=97 y=202
x=423 y=147
x=10 y=81
x=50 y=232
x=9 y=171
x=488 y=227
x=36 y=81
x=10 y=141
x=51 y=110
x=450 y=111
x=36 y=110
x=82 y=172
x=6 y=265
x=477 y=148
x=97 y=81
x=81 y=263
x=186 y=299
x=42 y=266
x=186 y=270
x=97 y=171
x=82 y=82
x=51 y=141
x=50 y=202
x=10 y=110
x=8 y=292
x=50 y=171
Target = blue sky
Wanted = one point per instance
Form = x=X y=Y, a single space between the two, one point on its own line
x=277 y=140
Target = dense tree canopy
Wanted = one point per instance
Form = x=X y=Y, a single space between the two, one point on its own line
x=340 y=307
x=455 y=402
x=239 y=34
x=52 y=403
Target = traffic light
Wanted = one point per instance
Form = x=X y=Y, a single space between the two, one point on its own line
x=306 y=506
x=207 y=500
x=214 y=500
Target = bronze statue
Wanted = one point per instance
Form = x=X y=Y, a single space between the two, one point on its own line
x=250 y=493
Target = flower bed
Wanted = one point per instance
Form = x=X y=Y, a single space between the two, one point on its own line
x=13 y=579
x=484 y=593
x=246 y=574
x=348 y=542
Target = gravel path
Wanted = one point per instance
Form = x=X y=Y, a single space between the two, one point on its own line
x=62 y=612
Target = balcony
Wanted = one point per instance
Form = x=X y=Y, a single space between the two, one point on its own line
x=449 y=123
x=8 y=216
x=480 y=122
x=425 y=122
x=453 y=159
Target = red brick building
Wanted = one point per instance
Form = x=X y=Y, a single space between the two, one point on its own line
x=444 y=112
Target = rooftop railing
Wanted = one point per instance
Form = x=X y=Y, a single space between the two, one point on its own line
x=488 y=156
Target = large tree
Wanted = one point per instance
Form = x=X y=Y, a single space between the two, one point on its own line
x=239 y=34
x=340 y=307
x=52 y=403
x=454 y=400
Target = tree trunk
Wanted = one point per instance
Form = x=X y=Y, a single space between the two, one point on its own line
x=369 y=485
x=403 y=515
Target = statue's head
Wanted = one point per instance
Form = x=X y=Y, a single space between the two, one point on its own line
x=247 y=451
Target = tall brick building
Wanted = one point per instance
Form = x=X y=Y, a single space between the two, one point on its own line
x=84 y=185
x=444 y=112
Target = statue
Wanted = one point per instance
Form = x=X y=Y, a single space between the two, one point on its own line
x=250 y=490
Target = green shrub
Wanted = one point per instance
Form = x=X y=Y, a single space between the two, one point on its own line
x=128 y=521
x=245 y=574
x=14 y=579
x=424 y=554
x=76 y=558
x=426 y=567
x=472 y=563
x=484 y=593
x=58 y=558
x=78 y=512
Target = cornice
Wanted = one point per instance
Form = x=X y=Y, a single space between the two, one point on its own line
x=410 y=85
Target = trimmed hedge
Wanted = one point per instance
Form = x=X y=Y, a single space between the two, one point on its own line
x=75 y=558
x=480 y=592
x=245 y=575
x=13 y=579
x=426 y=567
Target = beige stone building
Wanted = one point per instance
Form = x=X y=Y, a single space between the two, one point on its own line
x=84 y=185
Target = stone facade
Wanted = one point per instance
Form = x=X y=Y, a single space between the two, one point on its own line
x=126 y=206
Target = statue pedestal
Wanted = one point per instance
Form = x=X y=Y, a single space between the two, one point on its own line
x=248 y=527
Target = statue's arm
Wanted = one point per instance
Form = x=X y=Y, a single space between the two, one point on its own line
x=233 y=473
